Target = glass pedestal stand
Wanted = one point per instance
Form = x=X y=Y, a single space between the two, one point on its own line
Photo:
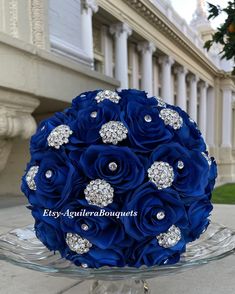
x=21 y=247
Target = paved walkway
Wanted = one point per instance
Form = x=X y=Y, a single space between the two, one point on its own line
x=215 y=278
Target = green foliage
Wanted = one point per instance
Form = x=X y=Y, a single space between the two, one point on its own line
x=224 y=194
x=225 y=34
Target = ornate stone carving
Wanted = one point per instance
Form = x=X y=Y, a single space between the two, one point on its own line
x=92 y=4
x=37 y=19
x=13 y=19
x=15 y=121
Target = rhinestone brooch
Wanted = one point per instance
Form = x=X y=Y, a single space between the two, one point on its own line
x=161 y=174
x=160 y=215
x=113 y=166
x=107 y=94
x=30 y=177
x=99 y=192
x=180 y=164
x=113 y=132
x=170 y=238
x=59 y=136
x=160 y=102
x=171 y=118
x=78 y=244
x=207 y=158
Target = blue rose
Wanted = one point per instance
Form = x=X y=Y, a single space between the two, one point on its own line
x=89 y=121
x=149 y=253
x=146 y=130
x=192 y=178
x=129 y=172
x=97 y=257
x=84 y=100
x=198 y=213
x=103 y=231
x=148 y=202
x=56 y=190
x=47 y=230
x=189 y=134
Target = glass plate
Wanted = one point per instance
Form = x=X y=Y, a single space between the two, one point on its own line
x=21 y=247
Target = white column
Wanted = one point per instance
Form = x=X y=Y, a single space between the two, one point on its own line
x=107 y=49
x=202 y=108
x=155 y=78
x=121 y=32
x=166 y=89
x=210 y=132
x=135 y=66
x=227 y=118
x=181 y=96
x=88 y=7
x=147 y=49
x=193 y=96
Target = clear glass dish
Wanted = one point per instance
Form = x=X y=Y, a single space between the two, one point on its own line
x=21 y=247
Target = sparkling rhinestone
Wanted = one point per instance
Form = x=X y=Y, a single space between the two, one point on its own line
x=30 y=177
x=160 y=215
x=207 y=158
x=180 y=164
x=112 y=166
x=94 y=114
x=171 y=118
x=98 y=192
x=78 y=244
x=107 y=94
x=170 y=238
x=84 y=265
x=48 y=174
x=113 y=132
x=42 y=128
x=84 y=227
x=147 y=118
x=59 y=136
x=160 y=102
x=161 y=174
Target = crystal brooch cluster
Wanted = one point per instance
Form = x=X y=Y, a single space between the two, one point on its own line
x=98 y=192
x=59 y=136
x=160 y=102
x=107 y=94
x=171 y=118
x=30 y=177
x=170 y=238
x=113 y=132
x=161 y=174
x=78 y=244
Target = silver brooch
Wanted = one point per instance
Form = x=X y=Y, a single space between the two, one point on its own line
x=171 y=118
x=170 y=238
x=207 y=158
x=107 y=94
x=30 y=177
x=113 y=132
x=78 y=244
x=59 y=136
x=161 y=174
x=160 y=102
x=98 y=192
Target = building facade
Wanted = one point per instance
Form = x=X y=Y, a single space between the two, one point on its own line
x=51 y=50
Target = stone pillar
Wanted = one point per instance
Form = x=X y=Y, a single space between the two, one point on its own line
x=88 y=8
x=107 y=49
x=181 y=96
x=210 y=132
x=134 y=66
x=193 y=96
x=227 y=118
x=155 y=77
x=121 y=32
x=202 y=108
x=147 y=49
x=166 y=89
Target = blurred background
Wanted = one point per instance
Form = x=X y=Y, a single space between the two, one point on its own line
x=51 y=50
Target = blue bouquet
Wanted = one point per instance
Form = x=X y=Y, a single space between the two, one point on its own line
x=119 y=179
